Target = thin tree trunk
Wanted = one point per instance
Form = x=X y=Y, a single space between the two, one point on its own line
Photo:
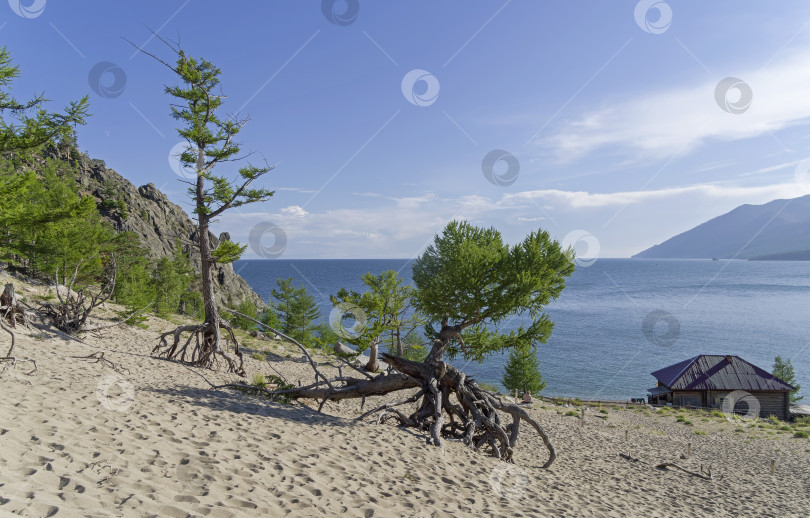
x=211 y=313
x=400 y=352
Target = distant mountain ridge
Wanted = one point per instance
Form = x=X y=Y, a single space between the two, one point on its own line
x=777 y=230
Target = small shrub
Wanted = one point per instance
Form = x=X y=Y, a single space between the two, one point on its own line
x=258 y=380
x=572 y=413
x=801 y=434
x=603 y=411
x=258 y=356
x=700 y=432
x=717 y=413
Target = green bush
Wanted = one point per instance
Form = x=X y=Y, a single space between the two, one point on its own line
x=247 y=308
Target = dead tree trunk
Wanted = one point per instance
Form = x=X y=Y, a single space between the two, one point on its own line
x=373 y=365
x=11 y=313
x=73 y=308
x=10 y=309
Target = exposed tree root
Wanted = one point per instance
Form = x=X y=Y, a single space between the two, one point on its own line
x=206 y=350
x=445 y=392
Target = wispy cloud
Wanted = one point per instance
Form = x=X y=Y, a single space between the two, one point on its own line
x=572 y=200
x=661 y=123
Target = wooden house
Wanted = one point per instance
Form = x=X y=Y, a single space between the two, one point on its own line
x=706 y=380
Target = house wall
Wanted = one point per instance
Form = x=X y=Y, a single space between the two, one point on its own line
x=770 y=403
x=688 y=398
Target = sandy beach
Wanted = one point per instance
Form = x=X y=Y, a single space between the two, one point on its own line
x=78 y=438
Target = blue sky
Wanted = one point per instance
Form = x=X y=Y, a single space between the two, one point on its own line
x=611 y=111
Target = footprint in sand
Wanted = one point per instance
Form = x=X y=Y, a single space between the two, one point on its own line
x=196 y=474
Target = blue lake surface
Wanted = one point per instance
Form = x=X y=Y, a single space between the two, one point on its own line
x=601 y=347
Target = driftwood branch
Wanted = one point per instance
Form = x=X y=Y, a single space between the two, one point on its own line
x=99 y=358
x=291 y=340
x=704 y=475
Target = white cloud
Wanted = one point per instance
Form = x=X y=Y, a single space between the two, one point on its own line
x=294 y=211
x=571 y=200
x=402 y=227
x=679 y=119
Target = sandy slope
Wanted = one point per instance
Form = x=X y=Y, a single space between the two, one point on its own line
x=78 y=439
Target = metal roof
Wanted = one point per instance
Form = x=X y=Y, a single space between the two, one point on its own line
x=718 y=372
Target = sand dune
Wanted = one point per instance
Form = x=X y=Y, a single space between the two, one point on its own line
x=79 y=439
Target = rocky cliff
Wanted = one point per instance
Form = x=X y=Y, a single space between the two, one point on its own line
x=157 y=222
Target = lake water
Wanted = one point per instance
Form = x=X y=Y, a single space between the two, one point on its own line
x=601 y=347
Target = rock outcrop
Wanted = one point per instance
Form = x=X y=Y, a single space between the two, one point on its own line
x=158 y=223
